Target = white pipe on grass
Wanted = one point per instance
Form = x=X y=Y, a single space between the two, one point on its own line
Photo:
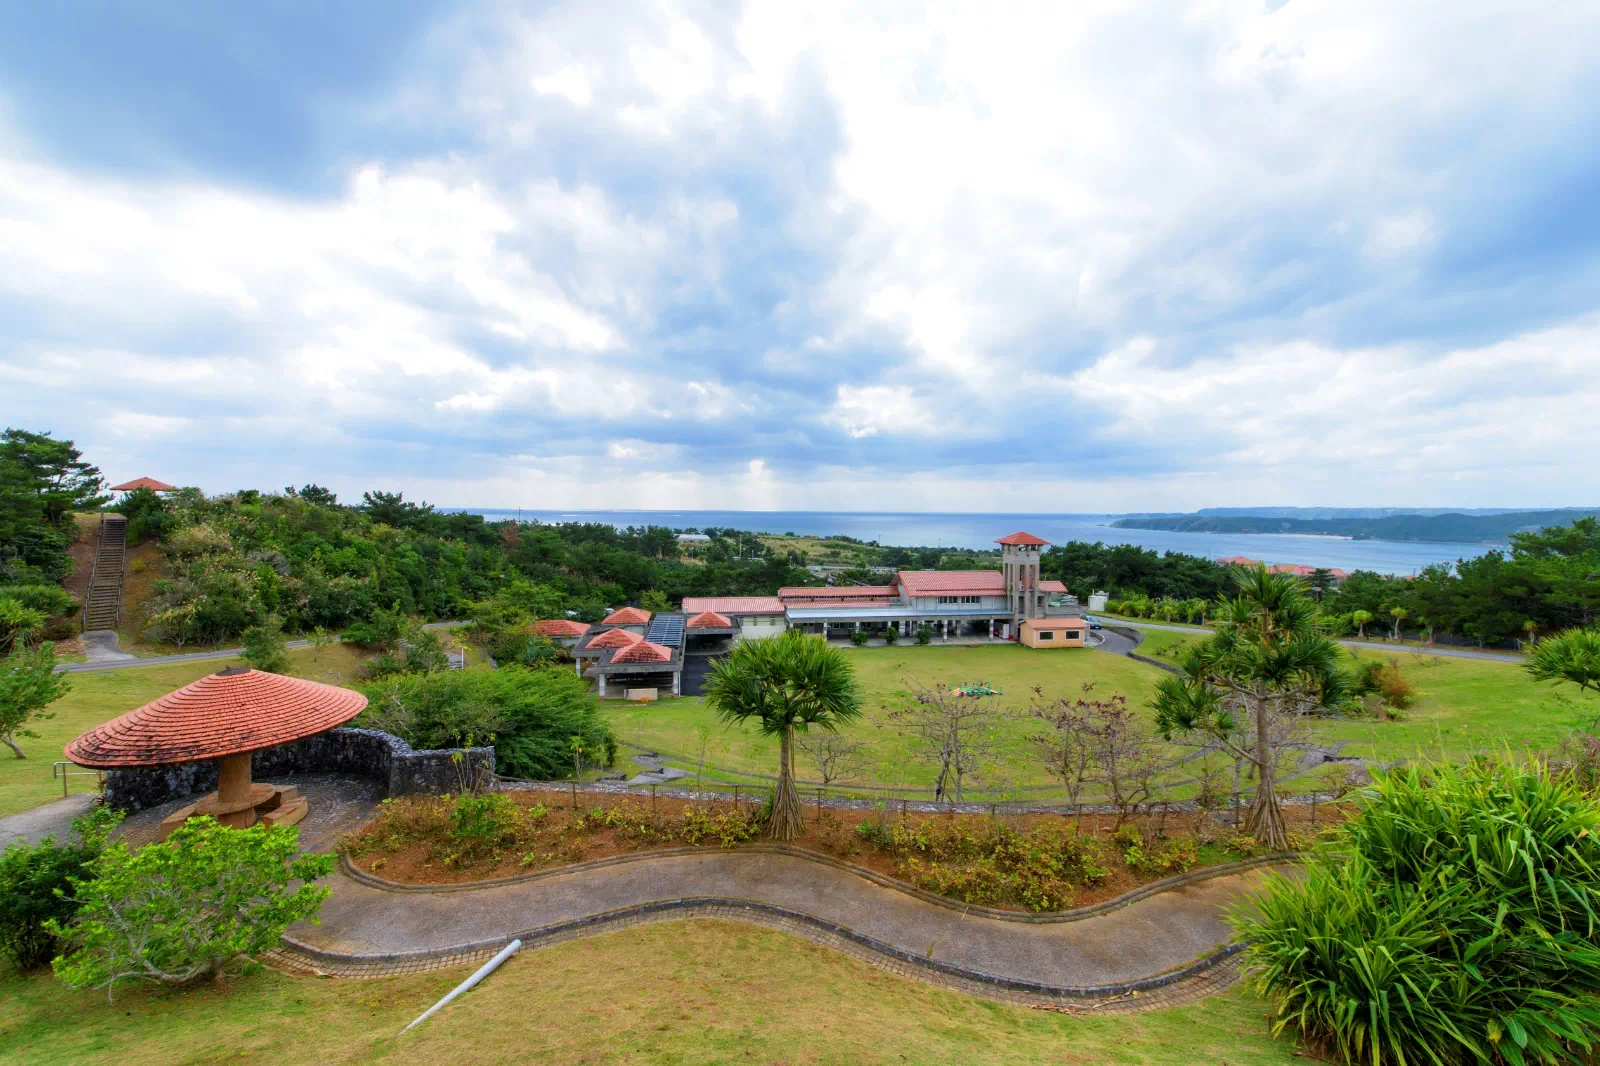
x=483 y=971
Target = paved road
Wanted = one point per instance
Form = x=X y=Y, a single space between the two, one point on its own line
x=1360 y=645
x=1143 y=939
x=128 y=661
x=51 y=819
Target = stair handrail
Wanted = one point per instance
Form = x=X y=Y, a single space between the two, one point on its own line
x=94 y=568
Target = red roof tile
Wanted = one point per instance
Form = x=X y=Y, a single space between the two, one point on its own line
x=953 y=582
x=1052 y=586
x=226 y=713
x=1238 y=560
x=643 y=652
x=1021 y=539
x=615 y=638
x=842 y=592
x=144 y=483
x=1055 y=623
x=559 y=628
x=733 y=604
x=709 y=620
x=627 y=616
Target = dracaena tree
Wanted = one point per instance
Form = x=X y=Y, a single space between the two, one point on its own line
x=784 y=685
x=1252 y=686
x=1572 y=656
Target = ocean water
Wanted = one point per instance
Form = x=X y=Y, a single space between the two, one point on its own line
x=980 y=531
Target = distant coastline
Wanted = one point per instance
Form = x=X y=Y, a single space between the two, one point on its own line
x=978 y=532
x=1484 y=531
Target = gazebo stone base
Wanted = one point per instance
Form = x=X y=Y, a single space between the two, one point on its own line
x=276 y=806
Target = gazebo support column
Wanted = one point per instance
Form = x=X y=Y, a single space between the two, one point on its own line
x=233 y=788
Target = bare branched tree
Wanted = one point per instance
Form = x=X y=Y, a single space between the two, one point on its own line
x=1102 y=741
x=952 y=731
x=834 y=757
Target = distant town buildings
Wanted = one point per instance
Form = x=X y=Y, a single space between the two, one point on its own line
x=632 y=651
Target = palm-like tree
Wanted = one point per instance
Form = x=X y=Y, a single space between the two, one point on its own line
x=1399 y=614
x=1267 y=666
x=784 y=684
x=1572 y=655
x=1361 y=618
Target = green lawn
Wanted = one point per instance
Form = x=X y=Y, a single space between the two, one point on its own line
x=99 y=697
x=670 y=726
x=1467 y=705
x=675 y=994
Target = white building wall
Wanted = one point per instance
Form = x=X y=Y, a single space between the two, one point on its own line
x=761 y=626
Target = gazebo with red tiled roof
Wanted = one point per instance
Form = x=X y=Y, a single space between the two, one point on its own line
x=144 y=483
x=709 y=620
x=627 y=616
x=224 y=716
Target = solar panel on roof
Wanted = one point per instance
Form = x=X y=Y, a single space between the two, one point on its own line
x=666 y=630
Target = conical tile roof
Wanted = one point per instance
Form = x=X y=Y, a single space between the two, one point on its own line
x=226 y=713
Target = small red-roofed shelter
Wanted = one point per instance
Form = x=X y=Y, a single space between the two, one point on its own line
x=709 y=620
x=223 y=716
x=559 y=628
x=627 y=616
x=1020 y=540
x=616 y=638
x=643 y=652
x=144 y=483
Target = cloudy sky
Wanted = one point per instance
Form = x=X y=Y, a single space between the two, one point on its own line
x=904 y=256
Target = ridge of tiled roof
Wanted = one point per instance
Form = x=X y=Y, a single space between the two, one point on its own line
x=559 y=627
x=1019 y=539
x=1052 y=586
x=643 y=652
x=953 y=582
x=733 y=604
x=227 y=713
x=615 y=638
x=627 y=616
x=709 y=620
x=841 y=592
x=144 y=483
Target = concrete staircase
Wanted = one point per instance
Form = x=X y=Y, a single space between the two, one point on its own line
x=102 y=605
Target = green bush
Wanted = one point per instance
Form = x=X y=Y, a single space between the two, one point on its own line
x=858 y=637
x=1451 y=920
x=484 y=823
x=264 y=646
x=50 y=600
x=891 y=635
x=36 y=886
x=529 y=716
x=924 y=635
x=989 y=863
x=178 y=912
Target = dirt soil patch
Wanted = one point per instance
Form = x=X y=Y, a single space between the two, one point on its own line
x=409 y=840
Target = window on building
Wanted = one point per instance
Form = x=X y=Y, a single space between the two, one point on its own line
x=1045 y=634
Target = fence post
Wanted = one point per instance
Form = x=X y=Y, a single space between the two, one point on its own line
x=735 y=797
x=653 y=799
x=1315 y=795
x=819 y=804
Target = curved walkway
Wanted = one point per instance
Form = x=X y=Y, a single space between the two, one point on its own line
x=112 y=657
x=1170 y=938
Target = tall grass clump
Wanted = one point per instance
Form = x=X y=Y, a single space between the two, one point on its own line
x=1452 y=920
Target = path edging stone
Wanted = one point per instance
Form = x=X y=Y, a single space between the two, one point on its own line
x=795 y=921
x=1077 y=914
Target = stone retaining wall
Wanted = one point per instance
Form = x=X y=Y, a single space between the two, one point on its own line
x=402 y=770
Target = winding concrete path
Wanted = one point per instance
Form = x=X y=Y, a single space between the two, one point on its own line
x=106 y=654
x=1143 y=940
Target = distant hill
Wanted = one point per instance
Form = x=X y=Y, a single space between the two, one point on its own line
x=1344 y=512
x=1453 y=527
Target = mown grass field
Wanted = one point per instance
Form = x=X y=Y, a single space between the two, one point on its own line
x=885 y=674
x=99 y=697
x=676 y=994
x=1462 y=706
